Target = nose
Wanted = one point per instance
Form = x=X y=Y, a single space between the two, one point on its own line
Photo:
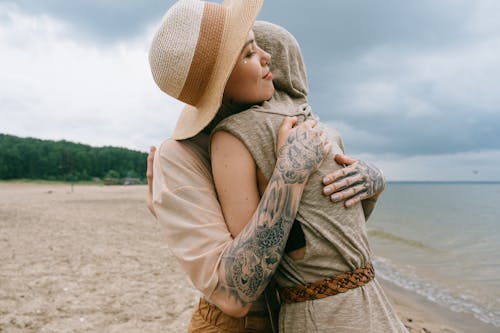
x=265 y=57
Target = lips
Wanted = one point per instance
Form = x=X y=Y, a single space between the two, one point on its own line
x=268 y=76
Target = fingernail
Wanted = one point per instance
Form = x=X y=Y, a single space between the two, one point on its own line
x=348 y=204
x=326 y=180
x=335 y=197
x=328 y=190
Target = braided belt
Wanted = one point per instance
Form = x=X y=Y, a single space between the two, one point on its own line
x=328 y=287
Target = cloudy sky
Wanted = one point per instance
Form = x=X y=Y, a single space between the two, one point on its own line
x=412 y=86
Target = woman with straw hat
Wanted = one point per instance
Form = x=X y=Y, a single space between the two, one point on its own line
x=207 y=30
x=191 y=58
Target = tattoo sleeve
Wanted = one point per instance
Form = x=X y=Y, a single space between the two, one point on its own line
x=252 y=259
x=249 y=263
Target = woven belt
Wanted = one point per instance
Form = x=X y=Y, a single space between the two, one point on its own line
x=328 y=287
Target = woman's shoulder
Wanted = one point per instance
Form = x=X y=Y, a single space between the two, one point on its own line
x=171 y=147
x=182 y=151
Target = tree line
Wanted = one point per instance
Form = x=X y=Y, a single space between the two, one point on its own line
x=30 y=158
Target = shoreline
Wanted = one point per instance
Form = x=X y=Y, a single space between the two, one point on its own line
x=422 y=315
x=93 y=260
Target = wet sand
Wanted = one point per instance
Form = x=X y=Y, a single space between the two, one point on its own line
x=93 y=260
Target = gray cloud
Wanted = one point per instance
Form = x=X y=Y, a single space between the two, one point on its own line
x=336 y=27
x=337 y=30
x=99 y=20
x=428 y=101
x=406 y=78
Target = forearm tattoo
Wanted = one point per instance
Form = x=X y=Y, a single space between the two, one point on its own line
x=251 y=260
x=255 y=254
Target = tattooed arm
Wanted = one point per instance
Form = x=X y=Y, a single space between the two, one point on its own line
x=359 y=181
x=250 y=261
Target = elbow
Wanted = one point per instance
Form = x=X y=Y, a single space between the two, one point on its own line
x=231 y=307
x=236 y=311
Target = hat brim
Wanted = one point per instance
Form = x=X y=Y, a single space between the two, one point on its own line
x=241 y=15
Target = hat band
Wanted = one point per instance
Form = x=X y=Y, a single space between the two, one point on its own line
x=205 y=54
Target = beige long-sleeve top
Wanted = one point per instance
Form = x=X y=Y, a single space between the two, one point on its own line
x=186 y=205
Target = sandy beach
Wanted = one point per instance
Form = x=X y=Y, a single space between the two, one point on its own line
x=92 y=259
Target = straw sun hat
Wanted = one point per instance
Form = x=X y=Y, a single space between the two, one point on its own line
x=193 y=53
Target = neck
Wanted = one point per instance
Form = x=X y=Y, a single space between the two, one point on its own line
x=228 y=108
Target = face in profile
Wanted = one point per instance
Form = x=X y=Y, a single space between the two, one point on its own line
x=251 y=80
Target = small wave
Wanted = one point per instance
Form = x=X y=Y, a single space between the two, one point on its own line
x=409 y=242
x=407 y=279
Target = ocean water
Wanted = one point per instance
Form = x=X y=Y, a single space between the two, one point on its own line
x=441 y=240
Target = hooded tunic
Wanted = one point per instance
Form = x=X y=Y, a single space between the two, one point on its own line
x=336 y=238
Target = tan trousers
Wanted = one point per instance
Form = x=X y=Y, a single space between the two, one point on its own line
x=207 y=318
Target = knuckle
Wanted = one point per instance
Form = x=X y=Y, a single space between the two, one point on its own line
x=331 y=178
x=346 y=193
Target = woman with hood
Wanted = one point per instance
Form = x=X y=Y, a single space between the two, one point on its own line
x=329 y=284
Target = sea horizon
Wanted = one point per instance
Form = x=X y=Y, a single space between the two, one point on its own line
x=440 y=240
x=443 y=182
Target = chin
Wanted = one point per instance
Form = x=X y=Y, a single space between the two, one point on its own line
x=269 y=94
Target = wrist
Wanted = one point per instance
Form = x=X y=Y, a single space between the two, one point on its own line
x=289 y=173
